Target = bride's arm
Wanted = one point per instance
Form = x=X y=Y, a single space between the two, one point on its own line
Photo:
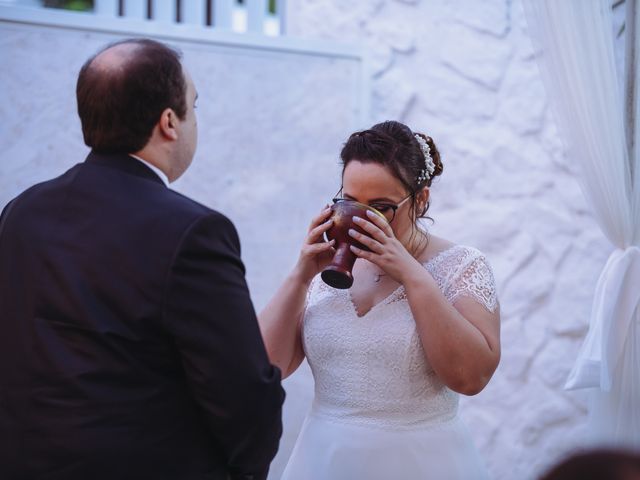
x=281 y=320
x=461 y=341
x=281 y=323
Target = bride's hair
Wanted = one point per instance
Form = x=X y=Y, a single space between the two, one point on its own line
x=394 y=145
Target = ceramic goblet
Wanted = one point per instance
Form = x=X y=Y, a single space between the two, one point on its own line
x=338 y=273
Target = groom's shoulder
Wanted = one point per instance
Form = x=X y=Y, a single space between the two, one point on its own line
x=192 y=211
x=182 y=203
x=187 y=206
x=197 y=226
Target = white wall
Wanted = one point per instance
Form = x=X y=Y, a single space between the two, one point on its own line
x=271 y=126
x=464 y=72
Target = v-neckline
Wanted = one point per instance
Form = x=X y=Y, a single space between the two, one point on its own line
x=384 y=300
x=354 y=307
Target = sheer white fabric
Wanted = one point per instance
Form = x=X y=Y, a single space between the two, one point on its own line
x=379 y=410
x=579 y=72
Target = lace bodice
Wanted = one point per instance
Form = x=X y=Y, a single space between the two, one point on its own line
x=372 y=369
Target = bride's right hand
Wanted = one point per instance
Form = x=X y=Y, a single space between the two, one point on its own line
x=316 y=253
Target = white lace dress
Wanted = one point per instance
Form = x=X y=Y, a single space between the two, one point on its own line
x=379 y=411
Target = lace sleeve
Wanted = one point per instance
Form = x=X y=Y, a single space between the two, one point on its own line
x=312 y=287
x=476 y=281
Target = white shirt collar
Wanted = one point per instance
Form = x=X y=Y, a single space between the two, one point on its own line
x=155 y=169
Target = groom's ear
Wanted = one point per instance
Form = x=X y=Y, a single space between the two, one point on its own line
x=168 y=124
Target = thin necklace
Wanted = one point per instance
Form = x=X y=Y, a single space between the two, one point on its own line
x=378 y=276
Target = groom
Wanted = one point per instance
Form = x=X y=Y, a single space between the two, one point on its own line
x=129 y=347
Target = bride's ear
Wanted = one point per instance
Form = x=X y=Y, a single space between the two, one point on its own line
x=422 y=198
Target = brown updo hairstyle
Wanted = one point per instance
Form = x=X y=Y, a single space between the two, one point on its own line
x=393 y=145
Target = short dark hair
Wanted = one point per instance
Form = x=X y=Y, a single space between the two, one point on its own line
x=597 y=464
x=119 y=107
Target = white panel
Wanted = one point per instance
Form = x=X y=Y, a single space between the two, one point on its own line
x=239 y=19
x=194 y=12
x=25 y=3
x=256 y=13
x=135 y=9
x=281 y=12
x=164 y=10
x=272 y=25
x=106 y=7
x=222 y=13
x=72 y=20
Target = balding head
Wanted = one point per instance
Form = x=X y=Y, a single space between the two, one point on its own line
x=114 y=58
x=123 y=90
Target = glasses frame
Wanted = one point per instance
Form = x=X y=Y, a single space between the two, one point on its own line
x=394 y=207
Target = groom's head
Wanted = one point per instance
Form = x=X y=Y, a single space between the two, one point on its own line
x=134 y=96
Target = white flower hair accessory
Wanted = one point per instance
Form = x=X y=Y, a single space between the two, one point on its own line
x=429 y=167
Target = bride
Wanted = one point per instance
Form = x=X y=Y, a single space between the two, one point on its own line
x=389 y=357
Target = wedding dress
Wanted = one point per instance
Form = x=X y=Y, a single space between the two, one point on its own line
x=379 y=411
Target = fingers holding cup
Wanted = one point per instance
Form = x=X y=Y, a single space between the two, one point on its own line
x=319 y=219
x=373 y=230
x=381 y=223
x=366 y=241
x=316 y=234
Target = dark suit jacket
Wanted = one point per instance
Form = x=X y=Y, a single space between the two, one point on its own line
x=129 y=346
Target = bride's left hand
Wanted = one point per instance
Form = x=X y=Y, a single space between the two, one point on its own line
x=387 y=252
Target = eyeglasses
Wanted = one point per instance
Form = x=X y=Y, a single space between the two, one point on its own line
x=386 y=209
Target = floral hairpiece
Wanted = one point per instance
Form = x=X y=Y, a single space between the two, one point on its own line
x=429 y=167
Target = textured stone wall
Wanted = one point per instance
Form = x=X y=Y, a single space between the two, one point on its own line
x=271 y=126
x=464 y=71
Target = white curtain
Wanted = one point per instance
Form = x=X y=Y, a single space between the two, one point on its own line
x=575 y=38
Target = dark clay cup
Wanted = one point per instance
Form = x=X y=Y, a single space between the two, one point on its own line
x=338 y=274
